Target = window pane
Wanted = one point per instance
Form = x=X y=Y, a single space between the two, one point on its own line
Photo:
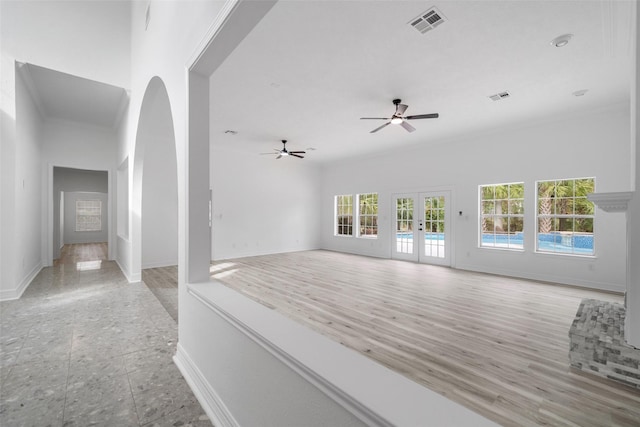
x=344 y=215
x=565 y=216
x=488 y=207
x=368 y=214
x=516 y=207
x=502 y=211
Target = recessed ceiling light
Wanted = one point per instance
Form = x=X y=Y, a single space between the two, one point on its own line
x=580 y=92
x=562 y=40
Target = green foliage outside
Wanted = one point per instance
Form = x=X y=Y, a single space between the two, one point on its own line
x=563 y=206
x=368 y=214
x=344 y=215
x=502 y=208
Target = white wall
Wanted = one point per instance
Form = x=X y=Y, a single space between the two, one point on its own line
x=262 y=205
x=69 y=180
x=595 y=144
x=86 y=39
x=21 y=194
x=70 y=234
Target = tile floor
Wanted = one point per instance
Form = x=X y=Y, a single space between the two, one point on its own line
x=84 y=347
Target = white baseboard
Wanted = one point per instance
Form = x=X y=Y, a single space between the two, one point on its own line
x=206 y=395
x=130 y=278
x=543 y=277
x=12 y=294
x=159 y=264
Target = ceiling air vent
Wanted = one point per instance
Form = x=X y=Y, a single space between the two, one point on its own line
x=499 y=96
x=428 y=20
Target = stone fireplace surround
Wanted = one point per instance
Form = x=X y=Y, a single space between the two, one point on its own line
x=597 y=343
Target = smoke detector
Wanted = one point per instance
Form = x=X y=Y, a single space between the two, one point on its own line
x=561 y=41
x=427 y=21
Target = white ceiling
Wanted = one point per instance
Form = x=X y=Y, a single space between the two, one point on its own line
x=66 y=97
x=311 y=69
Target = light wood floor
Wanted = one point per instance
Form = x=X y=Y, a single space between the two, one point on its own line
x=497 y=345
x=163 y=283
x=80 y=252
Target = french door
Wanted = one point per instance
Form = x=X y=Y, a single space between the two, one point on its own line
x=422 y=227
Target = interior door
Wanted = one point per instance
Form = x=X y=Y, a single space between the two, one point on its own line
x=422 y=231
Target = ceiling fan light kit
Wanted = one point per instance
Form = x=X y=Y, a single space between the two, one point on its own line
x=398 y=117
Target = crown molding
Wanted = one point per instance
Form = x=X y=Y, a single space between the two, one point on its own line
x=612 y=201
x=29 y=82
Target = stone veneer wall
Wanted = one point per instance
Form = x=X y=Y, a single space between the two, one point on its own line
x=598 y=346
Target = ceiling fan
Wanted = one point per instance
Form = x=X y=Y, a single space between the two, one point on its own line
x=399 y=119
x=284 y=152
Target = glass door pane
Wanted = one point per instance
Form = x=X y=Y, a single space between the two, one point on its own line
x=434 y=226
x=404 y=225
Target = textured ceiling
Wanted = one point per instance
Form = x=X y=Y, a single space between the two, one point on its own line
x=310 y=69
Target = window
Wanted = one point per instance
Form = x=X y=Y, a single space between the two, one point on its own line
x=368 y=215
x=344 y=215
x=565 y=216
x=502 y=215
x=88 y=215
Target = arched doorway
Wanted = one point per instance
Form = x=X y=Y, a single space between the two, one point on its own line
x=154 y=222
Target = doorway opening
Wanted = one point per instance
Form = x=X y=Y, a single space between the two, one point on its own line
x=80 y=217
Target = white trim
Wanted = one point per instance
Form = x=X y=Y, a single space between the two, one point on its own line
x=212 y=31
x=13 y=294
x=27 y=78
x=551 y=278
x=211 y=402
x=158 y=264
x=611 y=202
x=130 y=278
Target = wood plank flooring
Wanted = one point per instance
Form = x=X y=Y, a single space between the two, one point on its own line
x=163 y=283
x=81 y=252
x=497 y=345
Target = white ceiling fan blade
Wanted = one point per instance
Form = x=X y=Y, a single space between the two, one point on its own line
x=407 y=126
x=380 y=127
x=423 y=116
x=401 y=108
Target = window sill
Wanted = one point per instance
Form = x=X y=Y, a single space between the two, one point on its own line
x=565 y=254
x=497 y=248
